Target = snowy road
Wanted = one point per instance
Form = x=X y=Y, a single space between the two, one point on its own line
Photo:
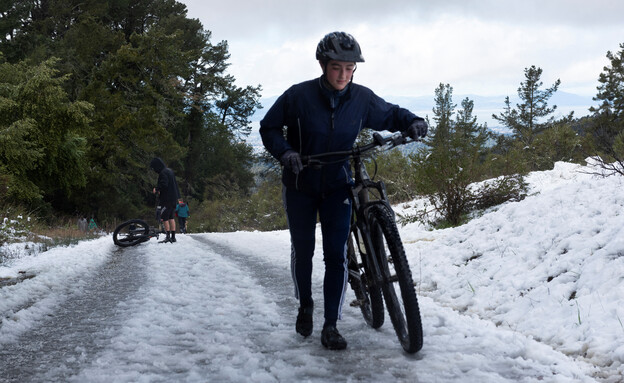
x=78 y=329
x=205 y=309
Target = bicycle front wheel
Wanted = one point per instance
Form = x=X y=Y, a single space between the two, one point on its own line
x=398 y=286
x=368 y=296
x=131 y=233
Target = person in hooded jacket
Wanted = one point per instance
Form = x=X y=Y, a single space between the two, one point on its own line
x=167 y=187
x=182 y=211
x=325 y=114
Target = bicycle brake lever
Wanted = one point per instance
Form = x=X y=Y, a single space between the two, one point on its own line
x=398 y=138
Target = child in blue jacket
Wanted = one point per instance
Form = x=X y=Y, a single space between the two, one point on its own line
x=182 y=211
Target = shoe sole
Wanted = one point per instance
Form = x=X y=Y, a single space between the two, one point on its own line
x=340 y=347
x=304 y=333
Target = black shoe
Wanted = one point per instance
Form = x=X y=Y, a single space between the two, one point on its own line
x=167 y=238
x=331 y=339
x=304 y=321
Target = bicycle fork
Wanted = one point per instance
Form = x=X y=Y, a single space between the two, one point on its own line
x=364 y=246
x=360 y=225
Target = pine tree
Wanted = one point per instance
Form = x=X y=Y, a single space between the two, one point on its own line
x=607 y=130
x=526 y=119
x=42 y=142
x=447 y=169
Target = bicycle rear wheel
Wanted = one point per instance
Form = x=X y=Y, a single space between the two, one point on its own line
x=368 y=297
x=131 y=233
x=400 y=298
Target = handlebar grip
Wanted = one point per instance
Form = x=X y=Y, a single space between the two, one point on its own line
x=378 y=139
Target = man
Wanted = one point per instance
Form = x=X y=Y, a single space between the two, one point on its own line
x=324 y=115
x=167 y=187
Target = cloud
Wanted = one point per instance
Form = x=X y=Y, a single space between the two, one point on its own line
x=249 y=18
x=477 y=46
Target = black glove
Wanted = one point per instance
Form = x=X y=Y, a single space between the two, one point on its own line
x=418 y=129
x=292 y=161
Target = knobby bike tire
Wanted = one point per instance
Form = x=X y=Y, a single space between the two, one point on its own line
x=131 y=233
x=368 y=297
x=402 y=307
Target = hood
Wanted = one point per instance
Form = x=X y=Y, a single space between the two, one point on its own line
x=157 y=165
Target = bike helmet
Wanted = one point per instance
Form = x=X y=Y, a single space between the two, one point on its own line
x=339 y=46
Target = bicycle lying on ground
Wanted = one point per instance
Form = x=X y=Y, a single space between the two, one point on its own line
x=379 y=266
x=137 y=231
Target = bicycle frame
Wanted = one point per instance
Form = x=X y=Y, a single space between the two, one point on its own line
x=360 y=197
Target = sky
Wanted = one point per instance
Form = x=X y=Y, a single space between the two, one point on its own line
x=479 y=47
x=529 y=291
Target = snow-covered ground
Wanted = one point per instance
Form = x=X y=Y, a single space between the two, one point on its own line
x=531 y=291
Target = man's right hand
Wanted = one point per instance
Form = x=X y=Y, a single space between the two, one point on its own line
x=292 y=161
x=418 y=129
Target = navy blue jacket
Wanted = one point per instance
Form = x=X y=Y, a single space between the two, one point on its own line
x=318 y=120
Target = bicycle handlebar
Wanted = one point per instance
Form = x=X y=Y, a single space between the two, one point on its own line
x=392 y=141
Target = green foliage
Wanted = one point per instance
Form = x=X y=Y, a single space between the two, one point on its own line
x=237 y=106
x=539 y=140
x=525 y=120
x=448 y=168
x=558 y=143
x=42 y=143
x=611 y=88
x=501 y=189
x=606 y=132
x=262 y=210
x=394 y=168
x=507 y=157
x=145 y=81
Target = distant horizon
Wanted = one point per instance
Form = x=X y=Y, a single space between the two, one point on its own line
x=484 y=106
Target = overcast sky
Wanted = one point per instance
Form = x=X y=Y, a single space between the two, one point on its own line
x=410 y=46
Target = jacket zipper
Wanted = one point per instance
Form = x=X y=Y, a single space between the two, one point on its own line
x=300 y=152
x=332 y=127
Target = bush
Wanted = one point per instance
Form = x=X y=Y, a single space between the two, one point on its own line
x=262 y=210
x=500 y=190
x=394 y=168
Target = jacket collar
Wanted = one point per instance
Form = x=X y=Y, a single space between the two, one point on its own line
x=333 y=97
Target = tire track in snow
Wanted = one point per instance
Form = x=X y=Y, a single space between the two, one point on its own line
x=79 y=327
x=457 y=347
x=308 y=360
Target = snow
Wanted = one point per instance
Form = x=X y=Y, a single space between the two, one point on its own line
x=529 y=291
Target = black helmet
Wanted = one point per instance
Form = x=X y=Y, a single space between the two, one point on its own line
x=339 y=46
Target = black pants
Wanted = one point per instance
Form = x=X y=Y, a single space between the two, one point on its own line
x=334 y=211
x=182 y=224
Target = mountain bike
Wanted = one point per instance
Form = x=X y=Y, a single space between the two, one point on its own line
x=137 y=231
x=376 y=258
